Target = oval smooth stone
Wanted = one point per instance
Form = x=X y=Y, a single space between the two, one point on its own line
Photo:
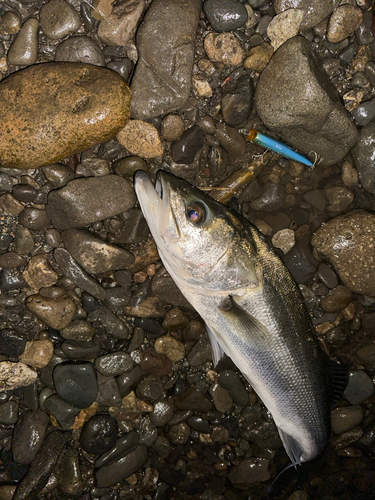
x=50 y=111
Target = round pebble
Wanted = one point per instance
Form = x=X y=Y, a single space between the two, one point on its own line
x=80 y=49
x=172 y=127
x=99 y=434
x=59 y=19
x=28 y=435
x=141 y=138
x=24 y=49
x=184 y=149
x=114 y=364
x=224 y=48
x=225 y=15
x=76 y=383
x=171 y=347
x=346 y=418
x=37 y=353
x=343 y=22
x=56 y=313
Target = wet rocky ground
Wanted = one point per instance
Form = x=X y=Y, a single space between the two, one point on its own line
x=107 y=387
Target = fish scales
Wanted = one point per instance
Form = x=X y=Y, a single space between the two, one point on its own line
x=252 y=307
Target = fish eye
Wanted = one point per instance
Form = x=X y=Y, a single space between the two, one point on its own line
x=196 y=213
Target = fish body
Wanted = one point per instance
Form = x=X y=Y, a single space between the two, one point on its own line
x=252 y=307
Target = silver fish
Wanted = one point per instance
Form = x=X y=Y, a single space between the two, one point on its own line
x=252 y=307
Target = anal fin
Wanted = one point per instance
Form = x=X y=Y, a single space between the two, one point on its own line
x=217 y=350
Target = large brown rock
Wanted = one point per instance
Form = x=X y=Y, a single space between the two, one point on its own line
x=53 y=110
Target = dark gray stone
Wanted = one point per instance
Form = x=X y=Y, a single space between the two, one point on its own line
x=225 y=15
x=9 y=415
x=124 y=467
x=237 y=102
x=109 y=394
x=363 y=154
x=80 y=49
x=162 y=79
x=301 y=262
x=12 y=343
x=309 y=121
x=129 y=381
x=80 y=349
x=99 y=434
x=113 y=324
x=232 y=383
x=123 y=446
x=28 y=435
x=76 y=383
x=271 y=199
x=114 y=364
x=185 y=148
x=64 y=413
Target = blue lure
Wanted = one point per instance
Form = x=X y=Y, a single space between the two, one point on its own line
x=277 y=146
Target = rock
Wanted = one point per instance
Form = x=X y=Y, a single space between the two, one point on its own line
x=224 y=48
x=120 y=25
x=92 y=167
x=78 y=330
x=225 y=15
x=272 y=198
x=163 y=286
x=34 y=218
x=13 y=375
x=76 y=383
x=363 y=152
x=162 y=413
x=327 y=276
x=316 y=122
x=314 y=11
x=193 y=399
x=80 y=277
x=258 y=57
x=156 y=363
x=201 y=352
x=63 y=412
x=68 y=474
x=67 y=125
x=80 y=349
x=28 y=435
x=122 y=468
x=359 y=388
x=56 y=313
x=221 y=398
x=341 y=240
x=179 y=433
x=171 y=347
x=93 y=254
x=284 y=26
x=38 y=353
x=249 y=471
x=172 y=127
x=162 y=80
x=109 y=394
x=284 y=239
x=364 y=113
x=38 y=273
x=9 y=413
x=12 y=343
x=344 y=419
x=343 y=22
x=349 y=174
x=9 y=205
x=24 y=242
x=336 y=299
x=229 y=380
x=141 y=138
x=237 y=103
x=301 y=262
x=201 y=86
x=24 y=49
x=184 y=149
x=99 y=434
x=127 y=443
x=80 y=49
x=58 y=175
x=11 y=260
x=59 y=19
x=112 y=324
x=339 y=198
x=42 y=466
x=90 y=199
x=10 y=23
x=366 y=356
x=114 y=364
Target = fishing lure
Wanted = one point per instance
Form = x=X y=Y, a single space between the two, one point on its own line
x=277 y=146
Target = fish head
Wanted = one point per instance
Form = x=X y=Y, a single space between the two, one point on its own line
x=195 y=234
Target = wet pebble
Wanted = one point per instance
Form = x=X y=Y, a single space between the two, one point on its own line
x=122 y=468
x=161 y=413
x=34 y=218
x=68 y=474
x=284 y=239
x=78 y=330
x=327 y=276
x=172 y=127
x=63 y=412
x=24 y=192
x=193 y=399
x=120 y=23
x=363 y=152
x=224 y=48
x=349 y=174
x=150 y=389
x=163 y=286
x=37 y=353
x=124 y=445
x=258 y=57
x=229 y=380
x=364 y=112
x=112 y=324
x=59 y=19
x=359 y=388
x=99 y=434
x=179 y=433
x=301 y=262
x=9 y=205
x=24 y=241
x=10 y=23
x=80 y=49
x=336 y=299
x=38 y=273
x=342 y=239
x=92 y=166
x=344 y=419
x=108 y=394
x=6 y=183
x=339 y=198
x=343 y=22
x=284 y=26
x=225 y=15
x=114 y=364
x=221 y=398
x=11 y=260
x=13 y=375
x=271 y=199
x=141 y=138
x=24 y=49
x=171 y=347
x=12 y=343
x=250 y=470
x=185 y=148
x=58 y=175
x=156 y=363
x=87 y=200
x=129 y=381
x=28 y=435
x=9 y=413
x=56 y=313
x=237 y=103
x=76 y=383
x=201 y=352
x=366 y=355
x=126 y=167
x=80 y=349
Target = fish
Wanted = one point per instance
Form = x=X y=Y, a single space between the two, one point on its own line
x=252 y=308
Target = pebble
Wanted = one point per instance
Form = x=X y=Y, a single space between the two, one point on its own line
x=201 y=86
x=141 y=138
x=249 y=471
x=193 y=399
x=341 y=240
x=99 y=434
x=171 y=347
x=93 y=254
x=80 y=49
x=89 y=167
x=172 y=127
x=221 y=398
x=179 y=433
x=284 y=239
x=9 y=413
x=156 y=93
x=339 y=198
x=58 y=175
x=38 y=273
x=364 y=112
x=59 y=19
x=80 y=349
x=225 y=15
x=87 y=200
x=114 y=364
x=33 y=87
x=343 y=22
x=63 y=412
x=272 y=198
x=344 y=419
x=24 y=192
x=284 y=26
x=124 y=445
x=56 y=313
x=80 y=277
x=14 y=375
x=28 y=435
x=42 y=466
x=237 y=103
x=129 y=381
x=6 y=183
x=349 y=174
x=109 y=394
x=185 y=148
x=224 y=48
x=78 y=330
x=359 y=388
x=112 y=324
x=12 y=343
x=301 y=262
x=24 y=49
x=119 y=25
x=313 y=12
x=68 y=474
x=336 y=299
x=150 y=389
x=201 y=352
x=161 y=413
x=24 y=241
x=231 y=139
x=229 y=380
x=34 y=218
x=258 y=57
x=9 y=205
x=156 y=363
x=362 y=154
x=327 y=276
x=280 y=87
x=11 y=260
x=126 y=167
x=10 y=23
x=122 y=468
x=366 y=356
x=76 y=383
x=37 y=353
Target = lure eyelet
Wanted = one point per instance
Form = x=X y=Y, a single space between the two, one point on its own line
x=196 y=213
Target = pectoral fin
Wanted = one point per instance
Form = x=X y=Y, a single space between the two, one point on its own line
x=242 y=320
